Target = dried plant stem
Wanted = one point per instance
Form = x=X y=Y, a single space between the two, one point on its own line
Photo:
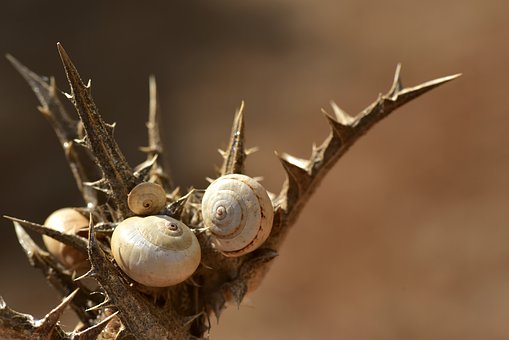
x=181 y=311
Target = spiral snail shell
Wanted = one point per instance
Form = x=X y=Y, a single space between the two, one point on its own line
x=156 y=251
x=238 y=213
x=146 y=199
x=69 y=221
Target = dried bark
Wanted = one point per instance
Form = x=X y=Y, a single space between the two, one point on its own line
x=181 y=311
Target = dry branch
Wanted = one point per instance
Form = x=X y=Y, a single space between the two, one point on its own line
x=181 y=311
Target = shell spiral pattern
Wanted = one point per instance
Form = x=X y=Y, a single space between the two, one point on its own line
x=238 y=214
x=146 y=199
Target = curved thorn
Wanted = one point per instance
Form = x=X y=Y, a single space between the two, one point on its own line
x=235 y=152
x=74 y=241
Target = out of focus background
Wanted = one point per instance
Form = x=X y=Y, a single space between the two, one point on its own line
x=407 y=237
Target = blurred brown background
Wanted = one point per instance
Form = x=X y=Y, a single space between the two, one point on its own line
x=407 y=238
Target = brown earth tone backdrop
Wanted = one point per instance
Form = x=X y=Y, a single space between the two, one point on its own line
x=407 y=238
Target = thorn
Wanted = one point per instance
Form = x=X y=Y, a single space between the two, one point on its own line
x=105 y=227
x=222 y=153
x=397 y=85
x=314 y=148
x=93 y=332
x=241 y=108
x=340 y=130
x=218 y=305
x=152 y=90
x=52 y=86
x=103 y=304
x=111 y=128
x=82 y=141
x=123 y=333
x=100 y=182
x=154 y=137
x=27 y=243
x=190 y=319
x=197 y=230
x=341 y=116
x=235 y=152
x=98 y=292
x=92 y=242
x=98 y=185
x=48 y=323
x=406 y=94
x=176 y=208
x=237 y=290
x=424 y=87
x=297 y=174
x=74 y=241
x=68 y=67
x=90 y=273
x=142 y=171
x=155 y=144
x=294 y=162
x=252 y=150
x=238 y=298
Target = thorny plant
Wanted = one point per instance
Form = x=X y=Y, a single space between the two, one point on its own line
x=117 y=306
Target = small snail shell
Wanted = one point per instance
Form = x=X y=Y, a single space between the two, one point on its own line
x=70 y=221
x=238 y=213
x=146 y=199
x=156 y=251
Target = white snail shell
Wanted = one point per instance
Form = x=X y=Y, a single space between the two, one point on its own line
x=146 y=199
x=69 y=221
x=238 y=213
x=156 y=251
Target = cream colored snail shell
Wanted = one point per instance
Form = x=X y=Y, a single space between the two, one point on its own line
x=156 y=251
x=238 y=213
x=146 y=199
x=69 y=221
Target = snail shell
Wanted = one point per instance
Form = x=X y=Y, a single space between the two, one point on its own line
x=69 y=221
x=156 y=251
x=238 y=213
x=146 y=199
